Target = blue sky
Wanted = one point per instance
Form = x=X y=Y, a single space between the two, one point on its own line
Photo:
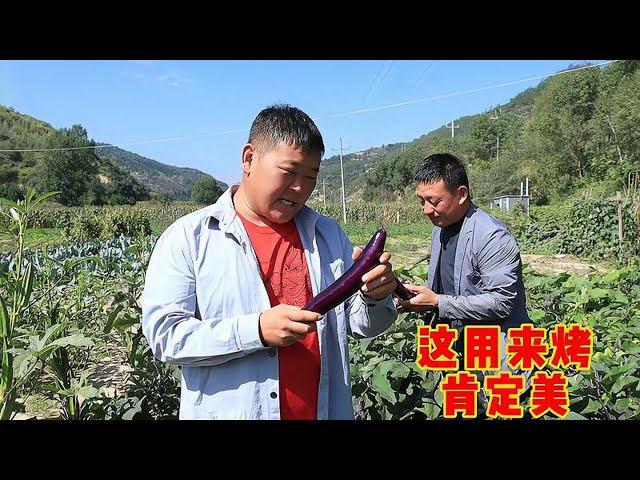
x=130 y=101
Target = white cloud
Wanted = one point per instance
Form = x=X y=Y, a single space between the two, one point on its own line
x=173 y=79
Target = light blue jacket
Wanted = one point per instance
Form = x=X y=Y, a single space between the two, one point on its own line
x=201 y=303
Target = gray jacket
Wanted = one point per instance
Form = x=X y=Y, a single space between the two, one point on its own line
x=487 y=274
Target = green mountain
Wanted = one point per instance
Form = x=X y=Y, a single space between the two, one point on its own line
x=573 y=134
x=158 y=177
x=359 y=167
x=85 y=174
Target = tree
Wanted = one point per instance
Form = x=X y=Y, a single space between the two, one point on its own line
x=116 y=186
x=11 y=191
x=165 y=197
x=97 y=193
x=482 y=141
x=8 y=157
x=206 y=190
x=625 y=115
x=559 y=133
x=8 y=175
x=69 y=171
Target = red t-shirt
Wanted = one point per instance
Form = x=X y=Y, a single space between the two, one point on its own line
x=286 y=278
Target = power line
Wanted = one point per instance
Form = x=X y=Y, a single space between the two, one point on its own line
x=420 y=76
x=109 y=145
x=379 y=83
x=463 y=92
x=375 y=80
x=387 y=72
x=354 y=112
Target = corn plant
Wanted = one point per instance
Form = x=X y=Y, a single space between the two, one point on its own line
x=65 y=366
x=14 y=301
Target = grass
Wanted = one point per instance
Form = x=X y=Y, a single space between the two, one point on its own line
x=407 y=242
x=34 y=238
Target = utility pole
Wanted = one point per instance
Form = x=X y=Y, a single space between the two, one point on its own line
x=528 y=195
x=452 y=126
x=344 y=203
x=495 y=117
x=324 y=193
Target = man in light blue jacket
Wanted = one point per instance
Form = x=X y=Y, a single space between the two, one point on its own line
x=475 y=269
x=210 y=302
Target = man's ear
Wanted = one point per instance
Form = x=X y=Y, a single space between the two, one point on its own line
x=248 y=155
x=464 y=194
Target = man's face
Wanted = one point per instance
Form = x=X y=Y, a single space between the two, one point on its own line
x=278 y=182
x=442 y=206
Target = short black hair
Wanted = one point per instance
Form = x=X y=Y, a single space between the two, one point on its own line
x=284 y=123
x=443 y=166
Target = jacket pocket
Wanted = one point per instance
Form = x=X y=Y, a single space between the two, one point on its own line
x=475 y=279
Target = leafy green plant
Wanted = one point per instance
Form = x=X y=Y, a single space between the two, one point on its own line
x=388 y=385
x=18 y=288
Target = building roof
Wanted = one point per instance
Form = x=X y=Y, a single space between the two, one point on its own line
x=511 y=196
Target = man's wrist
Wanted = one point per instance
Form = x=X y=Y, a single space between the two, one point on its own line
x=260 y=330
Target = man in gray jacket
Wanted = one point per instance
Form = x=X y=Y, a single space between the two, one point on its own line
x=475 y=270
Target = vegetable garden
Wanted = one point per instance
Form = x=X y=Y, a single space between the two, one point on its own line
x=72 y=346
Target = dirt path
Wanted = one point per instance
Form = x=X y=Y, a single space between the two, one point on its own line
x=555 y=264
x=546 y=264
x=110 y=373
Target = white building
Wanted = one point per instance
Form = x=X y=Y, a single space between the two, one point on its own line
x=506 y=202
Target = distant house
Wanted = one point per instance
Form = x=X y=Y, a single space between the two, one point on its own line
x=506 y=203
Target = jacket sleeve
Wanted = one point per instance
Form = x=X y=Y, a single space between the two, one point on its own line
x=499 y=268
x=169 y=320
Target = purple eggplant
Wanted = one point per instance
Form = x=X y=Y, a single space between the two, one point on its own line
x=351 y=281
